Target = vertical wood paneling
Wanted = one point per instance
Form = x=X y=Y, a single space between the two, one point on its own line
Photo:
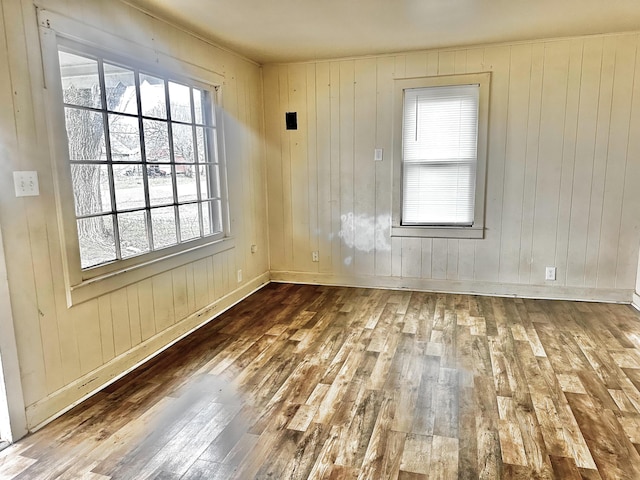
x=334 y=122
x=87 y=324
x=382 y=201
x=583 y=170
x=57 y=344
x=515 y=163
x=297 y=102
x=364 y=168
x=616 y=162
x=568 y=157
x=556 y=65
x=531 y=162
x=596 y=199
x=285 y=167
x=323 y=152
x=628 y=243
x=347 y=172
x=145 y=305
x=14 y=124
x=106 y=329
x=312 y=163
x=120 y=321
x=557 y=173
x=273 y=124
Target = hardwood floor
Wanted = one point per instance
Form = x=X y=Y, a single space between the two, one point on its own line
x=342 y=383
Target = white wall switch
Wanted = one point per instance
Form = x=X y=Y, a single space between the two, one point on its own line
x=377 y=155
x=26 y=184
x=239 y=276
x=550 y=273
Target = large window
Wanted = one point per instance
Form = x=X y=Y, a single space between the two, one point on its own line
x=142 y=147
x=441 y=165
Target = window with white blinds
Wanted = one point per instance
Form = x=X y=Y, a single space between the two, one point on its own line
x=440 y=155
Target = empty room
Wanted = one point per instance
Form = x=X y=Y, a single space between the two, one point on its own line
x=357 y=239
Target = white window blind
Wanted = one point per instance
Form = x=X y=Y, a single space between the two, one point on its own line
x=440 y=138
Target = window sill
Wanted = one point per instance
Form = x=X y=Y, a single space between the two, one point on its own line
x=438 y=232
x=115 y=280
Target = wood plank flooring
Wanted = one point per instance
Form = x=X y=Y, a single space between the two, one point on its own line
x=315 y=382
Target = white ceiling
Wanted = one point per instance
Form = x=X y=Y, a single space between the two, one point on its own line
x=289 y=30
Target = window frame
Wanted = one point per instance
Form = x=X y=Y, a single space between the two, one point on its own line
x=476 y=230
x=84 y=284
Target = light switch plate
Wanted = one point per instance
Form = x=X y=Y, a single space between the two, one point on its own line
x=377 y=154
x=26 y=184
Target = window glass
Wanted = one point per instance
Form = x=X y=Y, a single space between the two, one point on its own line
x=136 y=191
x=152 y=95
x=179 y=96
x=80 y=80
x=439 y=146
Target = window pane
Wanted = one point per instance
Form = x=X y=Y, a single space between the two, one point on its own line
x=189 y=221
x=133 y=233
x=163 y=224
x=96 y=240
x=85 y=134
x=187 y=185
x=156 y=141
x=152 y=96
x=439 y=193
x=202 y=152
x=124 y=135
x=80 y=81
x=120 y=86
x=207 y=212
x=205 y=189
x=160 y=184
x=182 y=143
x=129 y=187
x=180 y=102
x=440 y=123
x=197 y=105
x=440 y=131
x=90 y=189
x=216 y=208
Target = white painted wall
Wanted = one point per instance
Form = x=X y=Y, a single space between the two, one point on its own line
x=65 y=353
x=562 y=171
x=13 y=424
x=636 y=294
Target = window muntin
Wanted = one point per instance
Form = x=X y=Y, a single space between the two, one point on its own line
x=141 y=182
x=439 y=155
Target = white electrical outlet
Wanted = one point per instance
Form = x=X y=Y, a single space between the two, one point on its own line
x=550 y=273
x=254 y=248
x=239 y=276
x=315 y=257
x=377 y=155
x=26 y=184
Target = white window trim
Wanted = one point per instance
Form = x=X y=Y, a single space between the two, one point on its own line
x=83 y=285
x=426 y=231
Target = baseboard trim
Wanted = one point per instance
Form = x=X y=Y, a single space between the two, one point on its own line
x=57 y=403
x=636 y=301
x=471 y=287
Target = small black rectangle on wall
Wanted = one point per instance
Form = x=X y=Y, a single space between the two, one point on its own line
x=291 y=119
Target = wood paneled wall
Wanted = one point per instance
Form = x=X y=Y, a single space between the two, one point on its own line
x=65 y=353
x=563 y=170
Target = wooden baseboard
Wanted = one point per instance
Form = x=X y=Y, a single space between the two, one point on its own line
x=636 y=301
x=471 y=287
x=64 y=399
